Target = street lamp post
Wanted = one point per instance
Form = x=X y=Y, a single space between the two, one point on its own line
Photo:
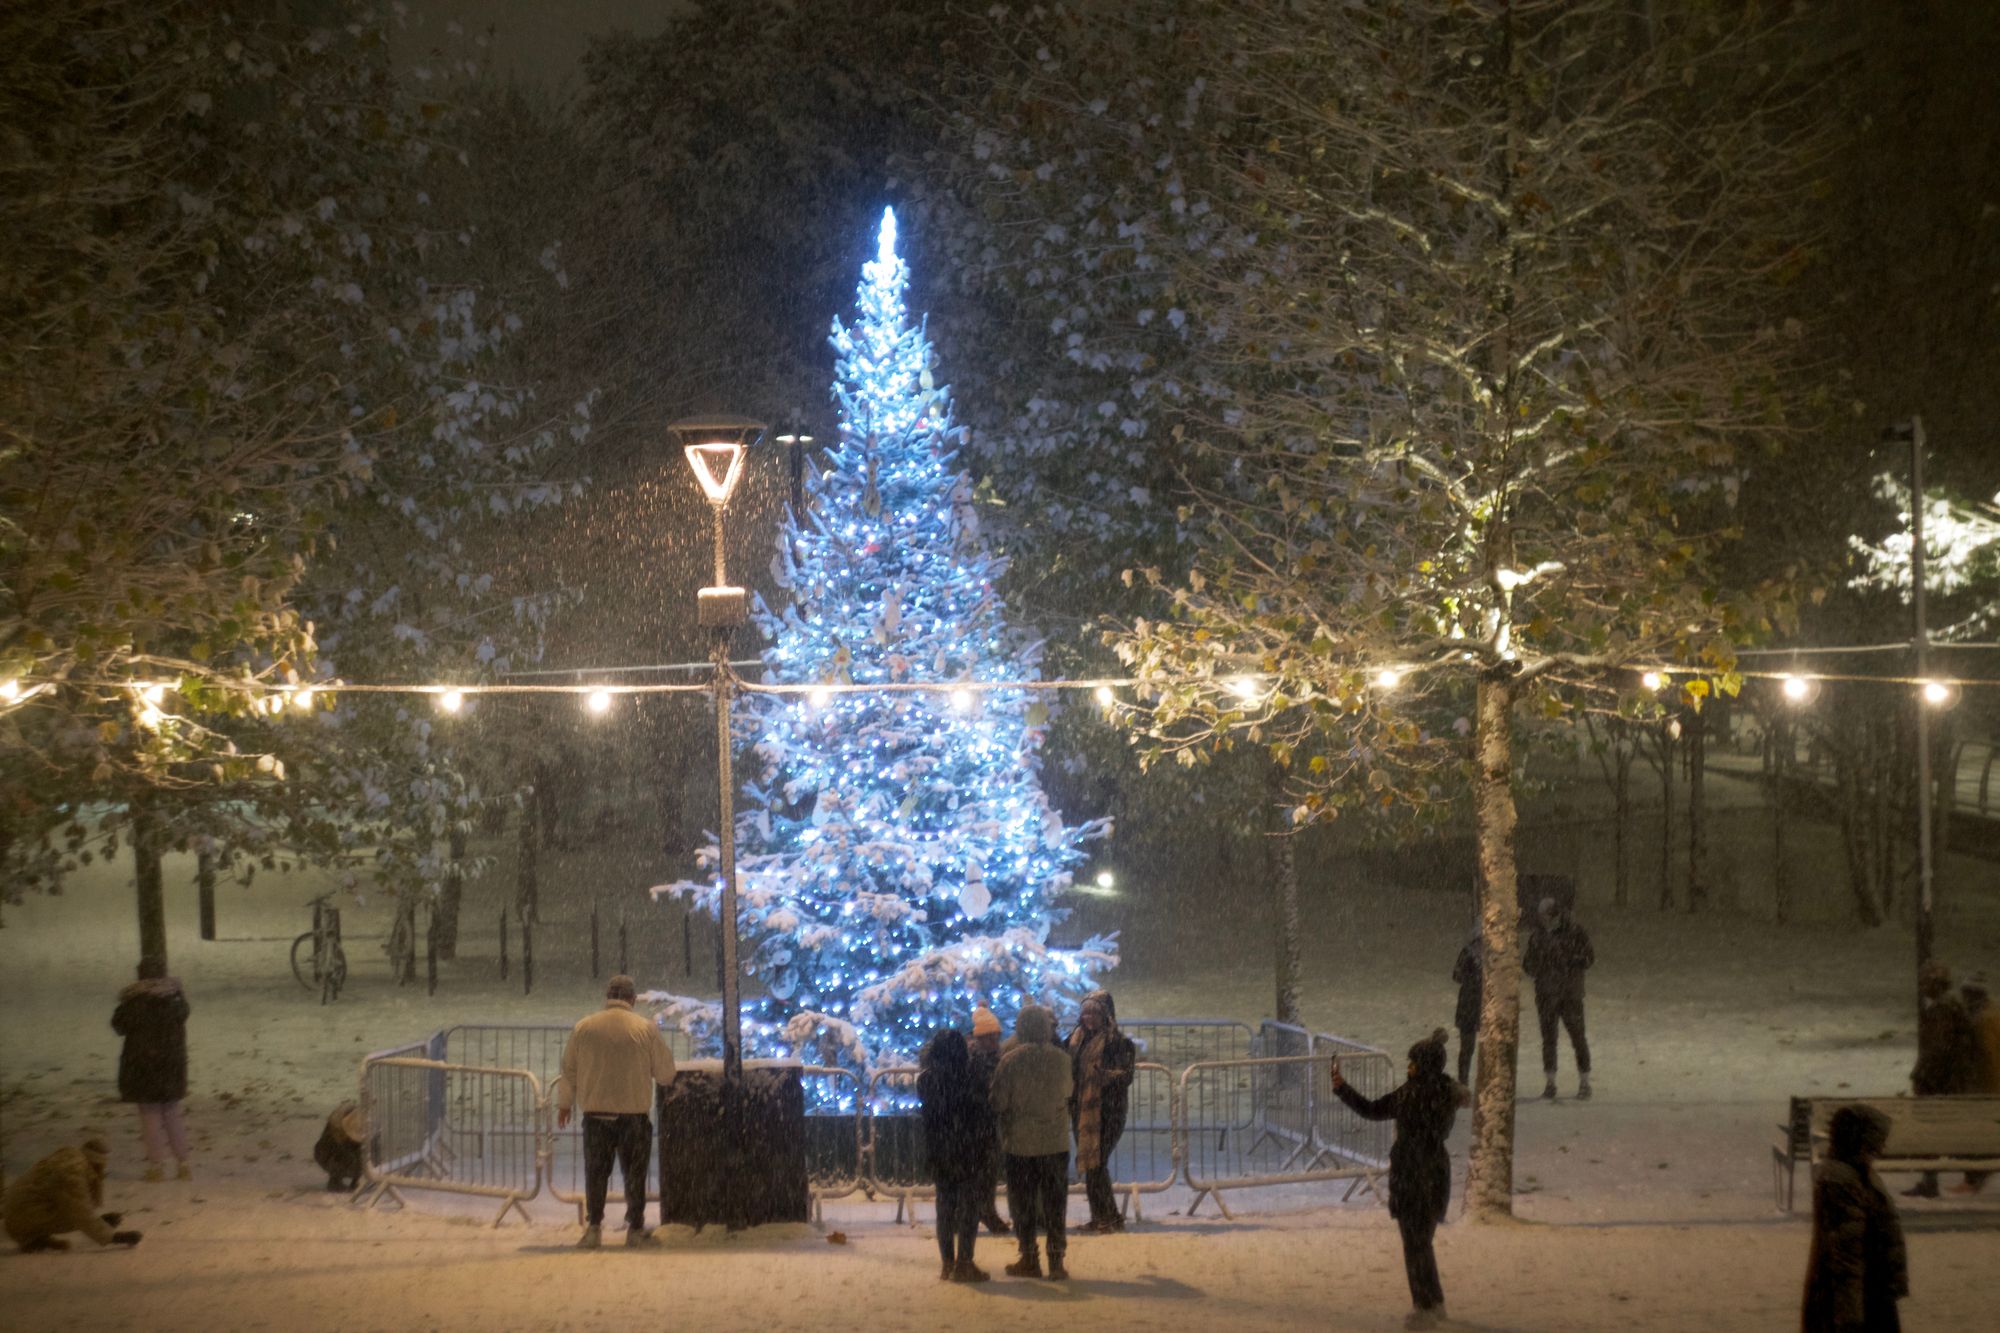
x=715 y=447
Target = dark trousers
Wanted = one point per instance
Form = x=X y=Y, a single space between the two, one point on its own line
x=958 y=1218
x=1468 y=1042
x=1038 y=1197
x=1420 y=1261
x=628 y=1139
x=1097 y=1189
x=1567 y=1009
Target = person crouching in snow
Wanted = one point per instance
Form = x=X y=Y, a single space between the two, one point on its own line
x=152 y=1016
x=1857 y=1270
x=1423 y=1108
x=59 y=1194
x=958 y=1148
x=1031 y=1090
x=338 y=1151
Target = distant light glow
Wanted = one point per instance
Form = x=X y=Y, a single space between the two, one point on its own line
x=1796 y=688
x=1106 y=880
x=598 y=702
x=961 y=699
x=1388 y=678
x=1246 y=687
x=10 y=690
x=819 y=696
x=303 y=700
x=1105 y=697
x=451 y=700
x=1653 y=680
x=1936 y=693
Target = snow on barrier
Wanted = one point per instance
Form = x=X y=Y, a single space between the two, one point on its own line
x=1214 y=1104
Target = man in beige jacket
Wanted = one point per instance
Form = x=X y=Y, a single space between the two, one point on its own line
x=613 y=1059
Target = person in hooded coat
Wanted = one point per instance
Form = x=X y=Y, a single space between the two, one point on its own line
x=1423 y=1108
x=62 y=1193
x=1557 y=955
x=1031 y=1090
x=1469 y=971
x=1983 y=1019
x=1857 y=1269
x=338 y=1151
x=958 y=1148
x=152 y=1016
x=1102 y=1060
x=1946 y=1061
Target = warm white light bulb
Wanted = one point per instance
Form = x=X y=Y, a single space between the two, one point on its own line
x=819 y=696
x=1245 y=687
x=1105 y=879
x=961 y=699
x=1104 y=696
x=1936 y=692
x=1652 y=680
x=1795 y=687
x=10 y=690
x=153 y=693
x=1388 y=678
x=451 y=700
x=598 y=701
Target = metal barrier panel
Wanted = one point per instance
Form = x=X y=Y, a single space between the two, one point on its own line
x=454 y=1128
x=1371 y=1072
x=1285 y=1100
x=1180 y=1042
x=835 y=1142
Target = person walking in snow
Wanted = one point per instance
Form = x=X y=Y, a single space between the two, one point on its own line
x=1031 y=1091
x=1102 y=1061
x=985 y=1045
x=1857 y=1269
x=1945 y=1053
x=613 y=1059
x=958 y=1148
x=1423 y=1107
x=59 y=1194
x=1469 y=971
x=152 y=1016
x=1557 y=956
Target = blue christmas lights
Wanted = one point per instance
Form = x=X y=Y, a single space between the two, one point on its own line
x=896 y=856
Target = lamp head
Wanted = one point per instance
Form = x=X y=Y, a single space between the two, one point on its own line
x=715 y=447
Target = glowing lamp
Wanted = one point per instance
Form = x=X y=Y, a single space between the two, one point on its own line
x=598 y=702
x=1105 y=879
x=1388 y=678
x=1245 y=687
x=10 y=691
x=1938 y=693
x=451 y=700
x=1104 y=696
x=819 y=696
x=1653 y=680
x=1796 y=689
x=961 y=699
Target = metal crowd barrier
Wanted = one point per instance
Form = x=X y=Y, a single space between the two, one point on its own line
x=453 y=1128
x=469 y=1110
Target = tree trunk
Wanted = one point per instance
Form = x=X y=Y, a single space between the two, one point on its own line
x=1282 y=865
x=149 y=881
x=1490 y=1185
x=1666 y=816
x=1854 y=834
x=204 y=882
x=528 y=867
x=1621 y=808
x=444 y=919
x=1780 y=735
x=1697 y=753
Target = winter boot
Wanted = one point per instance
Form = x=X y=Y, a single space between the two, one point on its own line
x=183 y=1172
x=1431 y=1318
x=640 y=1238
x=1549 y=1089
x=593 y=1238
x=1028 y=1265
x=967 y=1271
x=995 y=1223
x=155 y=1173
x=1058 y=1271
x=1583 y=1088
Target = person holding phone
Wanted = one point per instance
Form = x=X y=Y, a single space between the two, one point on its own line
x=1423 y=1107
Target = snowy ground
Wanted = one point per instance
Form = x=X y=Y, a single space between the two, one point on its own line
x=1647 y=1208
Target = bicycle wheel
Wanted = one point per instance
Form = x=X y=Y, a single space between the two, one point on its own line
x=336 y=973
x=302 y=966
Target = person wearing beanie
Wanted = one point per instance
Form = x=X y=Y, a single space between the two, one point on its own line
x=1944 y=1065
x=1557 y=955
x=958 y=1148
x=1031 y=1089
x=985 y=1057
x=1857 y=1269
x=1423 y=1108
x=152 y=1016
x=62 y=1193
x=613 y=1060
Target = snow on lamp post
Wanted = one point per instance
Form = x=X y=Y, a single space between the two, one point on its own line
x=715 y=447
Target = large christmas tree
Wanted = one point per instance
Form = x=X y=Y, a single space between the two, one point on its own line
x=896 y=855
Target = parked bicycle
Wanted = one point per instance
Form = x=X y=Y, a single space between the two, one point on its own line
x=318 y=961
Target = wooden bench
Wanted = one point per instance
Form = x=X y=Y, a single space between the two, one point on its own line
x=1959 y=1133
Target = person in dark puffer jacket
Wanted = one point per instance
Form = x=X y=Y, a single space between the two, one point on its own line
x=1423 y=1108
x=958 y=1147
x=1857 y=1269
x=152 y=1016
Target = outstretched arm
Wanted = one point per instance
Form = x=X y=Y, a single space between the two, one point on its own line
x=1369 y=1108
